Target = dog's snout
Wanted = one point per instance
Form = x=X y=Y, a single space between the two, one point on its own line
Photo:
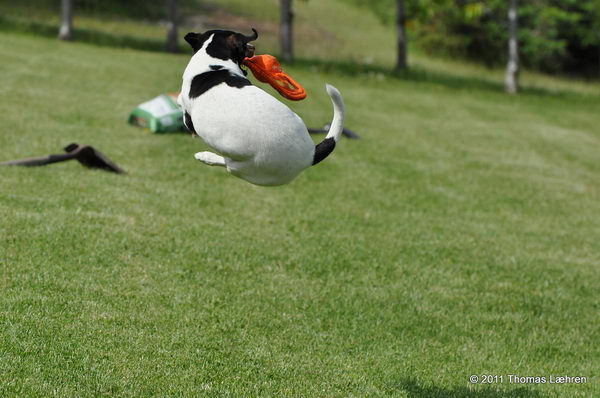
x=250 y=50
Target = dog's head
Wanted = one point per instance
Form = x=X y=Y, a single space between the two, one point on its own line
x=225 y=44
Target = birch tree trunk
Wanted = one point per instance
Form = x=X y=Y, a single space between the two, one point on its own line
x=66 y=24
x=172 y=44
x=511 y=82
x=286 y=31
x=401 y=35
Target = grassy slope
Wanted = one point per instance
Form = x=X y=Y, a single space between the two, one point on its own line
x=460 y=236
x=326 y=30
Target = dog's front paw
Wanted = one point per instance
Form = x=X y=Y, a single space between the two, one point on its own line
x=211 y=159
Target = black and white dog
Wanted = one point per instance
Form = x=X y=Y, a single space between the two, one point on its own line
x=257 y=138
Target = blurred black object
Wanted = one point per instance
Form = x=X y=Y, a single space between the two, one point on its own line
x=346 y=132
x=87 y=155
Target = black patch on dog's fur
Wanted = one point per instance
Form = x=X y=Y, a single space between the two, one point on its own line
x=323 y=149
x=225 y=44
x=216 y=67
x=207 y=80
x=217 y=49
x=188 y=123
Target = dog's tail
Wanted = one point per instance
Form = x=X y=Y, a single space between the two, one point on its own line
x=325 y=147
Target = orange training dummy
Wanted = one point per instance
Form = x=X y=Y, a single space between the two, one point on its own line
x=267 y=69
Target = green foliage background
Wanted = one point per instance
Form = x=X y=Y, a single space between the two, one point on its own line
x=134 y=9
x=557 y=36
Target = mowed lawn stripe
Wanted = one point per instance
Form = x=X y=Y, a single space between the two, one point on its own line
x=458 y=237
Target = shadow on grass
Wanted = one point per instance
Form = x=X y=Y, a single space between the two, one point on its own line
x=90 y=36
x=419 y=75
x=414 y=389
x=350 y=68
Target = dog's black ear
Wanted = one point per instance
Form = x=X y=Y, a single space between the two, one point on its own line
x=195 y=40
x=191 y=38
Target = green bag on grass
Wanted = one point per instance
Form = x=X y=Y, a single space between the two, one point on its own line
x=160 y=115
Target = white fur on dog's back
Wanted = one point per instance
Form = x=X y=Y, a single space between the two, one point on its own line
x=262 y=140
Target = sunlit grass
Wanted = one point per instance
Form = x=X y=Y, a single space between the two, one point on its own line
x=458 y=237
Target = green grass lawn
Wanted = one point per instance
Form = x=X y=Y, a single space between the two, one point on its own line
x=459 y=237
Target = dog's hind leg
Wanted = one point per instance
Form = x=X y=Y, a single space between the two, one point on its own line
x=211 y=159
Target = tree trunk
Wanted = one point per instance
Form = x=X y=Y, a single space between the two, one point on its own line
x=172 y=44
x=286 y=33
x=66 y=25
x=511 y=82
x=401 y=35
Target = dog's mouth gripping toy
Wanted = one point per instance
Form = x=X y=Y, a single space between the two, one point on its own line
x=267 y=69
